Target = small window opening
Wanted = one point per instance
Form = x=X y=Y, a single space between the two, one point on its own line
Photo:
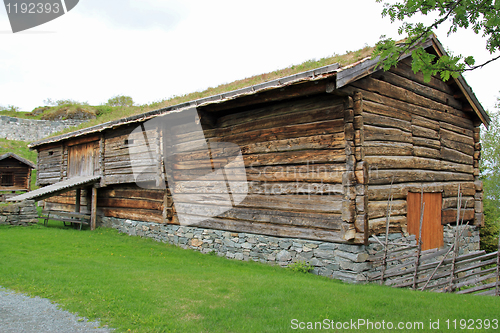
x=128 y=142
x=7 y=180
x=51 y=153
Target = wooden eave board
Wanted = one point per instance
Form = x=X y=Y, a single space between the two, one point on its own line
x=57 y=188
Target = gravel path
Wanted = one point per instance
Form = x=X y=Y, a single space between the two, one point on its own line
x=20 y=313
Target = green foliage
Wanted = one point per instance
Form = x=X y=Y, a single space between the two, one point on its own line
x=9 y=108
x=490 y=159
x=489 y=233
x=490 y=175
x=19 y=148
x=120 y=100
x=301 y=267
x=60 y=102
x=103 y=109
x=137 y=284
x=481 y=16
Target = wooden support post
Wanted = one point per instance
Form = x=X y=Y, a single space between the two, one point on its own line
x=77 y=200
x=93 y=209
x=29 y=180
x=419 y=247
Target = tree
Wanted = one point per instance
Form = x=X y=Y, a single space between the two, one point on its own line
x=120 y=101
x=490 y=158
x=11 y=108
x=482 y=16
x=490 y=175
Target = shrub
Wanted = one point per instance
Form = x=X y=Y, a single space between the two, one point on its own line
x=120 y=101
x=301 y=267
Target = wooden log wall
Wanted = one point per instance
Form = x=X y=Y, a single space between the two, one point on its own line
x=125 y=149
x=66 y=201
x=295 y=155
x=129 y=201
x=49 y=164
x=19 y=172
x=126 y=201
x=416 y=134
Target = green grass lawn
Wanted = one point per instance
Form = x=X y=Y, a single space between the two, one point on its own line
x=140 y=285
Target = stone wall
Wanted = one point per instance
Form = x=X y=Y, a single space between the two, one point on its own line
x=22 y=213
x=31 y=129
x=338 y=261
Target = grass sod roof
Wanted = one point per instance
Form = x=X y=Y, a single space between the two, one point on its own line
x=158 y=108
x=347 y=68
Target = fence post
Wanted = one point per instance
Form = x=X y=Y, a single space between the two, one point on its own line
x=419 y=245
x=387 y=222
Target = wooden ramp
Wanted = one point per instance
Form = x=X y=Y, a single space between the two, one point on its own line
x=57 y=188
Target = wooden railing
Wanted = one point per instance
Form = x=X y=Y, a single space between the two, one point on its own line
x=405 y=265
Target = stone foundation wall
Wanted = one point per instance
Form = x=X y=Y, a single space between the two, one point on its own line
x=469 y=241
x=22 y=213
x=346 y=262
x=339 y=261
x=31 y=129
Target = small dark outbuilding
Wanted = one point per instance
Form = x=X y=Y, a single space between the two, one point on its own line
x=15 y=173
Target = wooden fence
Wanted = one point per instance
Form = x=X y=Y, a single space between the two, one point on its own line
x=404 y=265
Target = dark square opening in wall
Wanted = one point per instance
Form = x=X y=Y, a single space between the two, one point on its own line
x=7 y=180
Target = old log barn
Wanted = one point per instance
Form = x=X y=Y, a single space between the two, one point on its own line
x=15 y=173
x=320 y=151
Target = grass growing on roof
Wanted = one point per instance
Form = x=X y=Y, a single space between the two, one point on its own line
x=139 y=285
x=107 y=113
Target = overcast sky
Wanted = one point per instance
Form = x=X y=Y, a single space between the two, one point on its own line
x=154 y=49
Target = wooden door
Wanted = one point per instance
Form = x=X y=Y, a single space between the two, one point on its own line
x=83 y=159
x=432 y=230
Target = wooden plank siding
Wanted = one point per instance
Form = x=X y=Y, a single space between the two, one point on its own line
x=432 y=230
x=83 y=159
x=417 y=135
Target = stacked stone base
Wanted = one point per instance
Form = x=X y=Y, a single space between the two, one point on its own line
x=339 y=261
x=347 y=262
x=22 y=213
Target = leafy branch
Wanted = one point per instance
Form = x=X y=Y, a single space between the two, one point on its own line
x=482 y=16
